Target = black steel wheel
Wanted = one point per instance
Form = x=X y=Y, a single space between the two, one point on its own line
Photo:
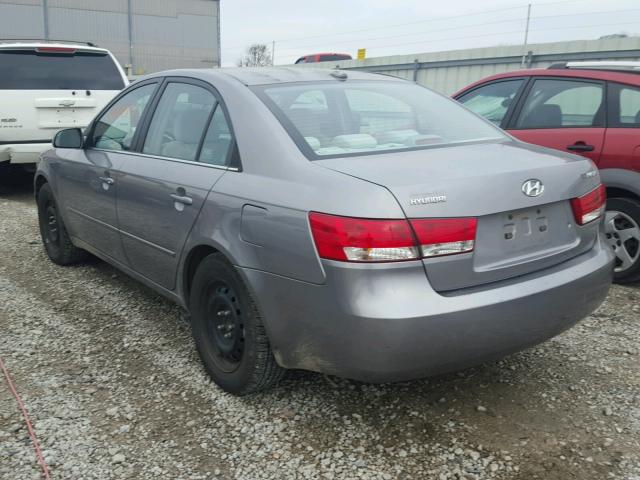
x=55 y=238
x=225 y=328
x=228 y=330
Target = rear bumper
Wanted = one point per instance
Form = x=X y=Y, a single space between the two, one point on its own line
x=22 y=152
x=386 y=324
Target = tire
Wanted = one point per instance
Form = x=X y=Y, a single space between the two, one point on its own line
x=228 y=330
x=622 y=227
x=54 y=234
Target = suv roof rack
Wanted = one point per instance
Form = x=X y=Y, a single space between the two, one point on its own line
x=619 y=66
x=41 y=40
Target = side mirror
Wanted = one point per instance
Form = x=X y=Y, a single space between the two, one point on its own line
x=68 y=138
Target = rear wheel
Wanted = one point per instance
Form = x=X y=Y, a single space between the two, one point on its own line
x=55 y=238
x=228 y=330
x=622 y=227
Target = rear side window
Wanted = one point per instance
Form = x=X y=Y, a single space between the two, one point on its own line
x=216 y=148
x=562 y=103
x=492 y=101
x=179 y=121
x=334 y=57
x=31 y=70
x=629 y=105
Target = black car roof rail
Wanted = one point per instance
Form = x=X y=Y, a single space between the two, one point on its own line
x=41 y=40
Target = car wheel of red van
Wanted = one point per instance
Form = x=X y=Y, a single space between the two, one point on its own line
x=622 y=227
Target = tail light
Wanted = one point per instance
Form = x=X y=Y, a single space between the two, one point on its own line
x=55 y=50
x=590 y=206
x=362 y=240
x=350 y=239
x=445 y=236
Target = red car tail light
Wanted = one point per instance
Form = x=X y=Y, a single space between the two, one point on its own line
x=445 y=236
x=367 y=240
x=590 y=206
x=362 y=240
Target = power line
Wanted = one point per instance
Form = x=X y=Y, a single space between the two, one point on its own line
x=496 y=22
x=429 y=20
x=503 y=33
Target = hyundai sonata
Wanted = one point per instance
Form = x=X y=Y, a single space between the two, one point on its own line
x=347 y=223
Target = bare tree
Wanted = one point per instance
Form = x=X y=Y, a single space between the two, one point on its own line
x=257 y=55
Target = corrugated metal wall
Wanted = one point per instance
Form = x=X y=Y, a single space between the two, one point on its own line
x=451 y=70
x=166 y=34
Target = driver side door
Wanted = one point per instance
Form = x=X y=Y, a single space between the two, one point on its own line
x=88 y=177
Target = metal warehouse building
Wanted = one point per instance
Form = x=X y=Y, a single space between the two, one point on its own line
x=149 y=35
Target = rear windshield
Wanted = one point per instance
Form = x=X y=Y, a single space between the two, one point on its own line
x=337 y=119
x=30 y=70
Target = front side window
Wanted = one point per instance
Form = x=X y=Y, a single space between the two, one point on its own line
x=179 y=121
x=492 y=101
x=562 y=103
x=331 y=119
x=116 y=128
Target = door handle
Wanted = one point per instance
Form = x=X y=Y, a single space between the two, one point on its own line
x=581 y=147
x=107 y=180
x=182 y=199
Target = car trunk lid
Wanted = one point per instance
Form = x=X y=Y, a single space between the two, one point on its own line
x=516 y=233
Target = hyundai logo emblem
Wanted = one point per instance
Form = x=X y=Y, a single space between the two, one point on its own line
x=532 y=188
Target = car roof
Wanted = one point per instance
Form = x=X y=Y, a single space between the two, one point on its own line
x=10 y=44
x=324 y=53
x=629 y=78
x=275 y=75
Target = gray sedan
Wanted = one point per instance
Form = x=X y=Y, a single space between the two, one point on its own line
x=346 y=223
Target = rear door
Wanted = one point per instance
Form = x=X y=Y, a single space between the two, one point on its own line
x=161 y=189
x=622 y=140
x=565 y=114
x=45 y=89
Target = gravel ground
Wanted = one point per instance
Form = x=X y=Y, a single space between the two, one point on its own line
x=112 y=382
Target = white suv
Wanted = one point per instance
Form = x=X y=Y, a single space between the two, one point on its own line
x=47 y=86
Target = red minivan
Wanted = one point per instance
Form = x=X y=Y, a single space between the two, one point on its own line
x=587 y=108
x=324 y=57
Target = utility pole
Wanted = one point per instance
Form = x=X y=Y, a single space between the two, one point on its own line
x=273 y=53
x=130 y=26
x=45 y=18
x=526 y=37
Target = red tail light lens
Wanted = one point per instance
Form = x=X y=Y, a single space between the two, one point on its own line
x=55 y=50
x=365 y=240
x=445 y=236
x=362 y=240
x=590 y=206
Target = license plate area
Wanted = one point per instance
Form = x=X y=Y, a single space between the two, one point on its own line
x=525 y=228
x=519 y=237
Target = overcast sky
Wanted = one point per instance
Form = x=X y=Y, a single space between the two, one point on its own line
x=392 y=27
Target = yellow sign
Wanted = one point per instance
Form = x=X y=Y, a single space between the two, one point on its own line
x=362 y=53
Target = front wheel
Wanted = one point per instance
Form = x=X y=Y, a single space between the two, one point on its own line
x=55 y=238
x=622 y=228
x=228 y=330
